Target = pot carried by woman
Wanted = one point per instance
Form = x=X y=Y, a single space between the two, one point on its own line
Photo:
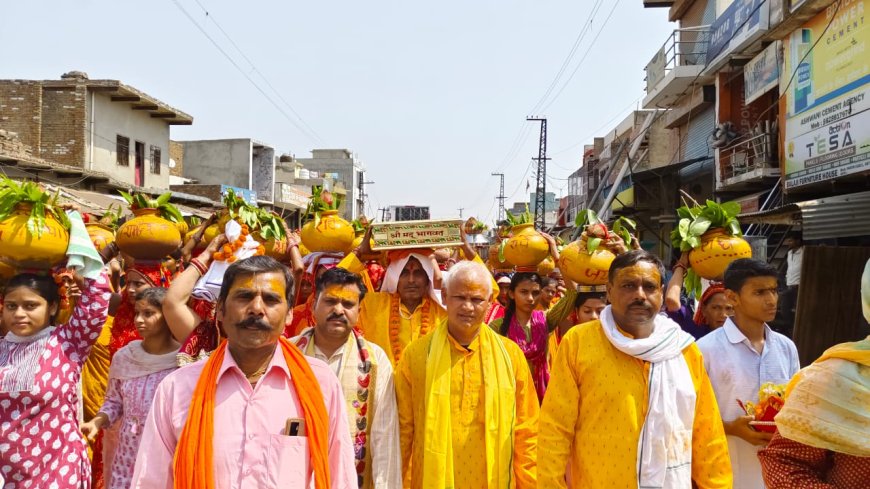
x=528 y=326
x=40 y=367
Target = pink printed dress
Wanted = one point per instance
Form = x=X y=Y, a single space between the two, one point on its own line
x=40 y=443
x=133 y=380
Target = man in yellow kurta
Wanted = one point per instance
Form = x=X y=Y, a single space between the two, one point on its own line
x=405 y=308
x=468 y=411
x=629 y=403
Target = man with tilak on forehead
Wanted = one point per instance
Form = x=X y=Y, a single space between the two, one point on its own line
x=468 y=410
x=629 y=403
x=257 y=413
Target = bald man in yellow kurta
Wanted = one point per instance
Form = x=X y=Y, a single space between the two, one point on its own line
x=594 y=412
x=487 y=409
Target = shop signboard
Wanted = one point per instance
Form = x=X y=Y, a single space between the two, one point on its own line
x=827 y=128
x=741 y=24
x=762 y=73
x=246 y=194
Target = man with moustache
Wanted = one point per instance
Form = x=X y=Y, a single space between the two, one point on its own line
x=365 y=373
x=257 y=413
x=468 y=411
x=629 y=403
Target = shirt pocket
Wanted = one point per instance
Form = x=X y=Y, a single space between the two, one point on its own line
x=288 y=461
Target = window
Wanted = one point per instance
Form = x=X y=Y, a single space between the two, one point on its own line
x=155 y=160
x=122 y=148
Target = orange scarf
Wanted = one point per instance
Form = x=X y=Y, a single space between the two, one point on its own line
x=192 y=465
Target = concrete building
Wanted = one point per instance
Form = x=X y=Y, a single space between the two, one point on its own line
x=407 y=213
x=96 y=125
x=345 y=169
x=242 y=163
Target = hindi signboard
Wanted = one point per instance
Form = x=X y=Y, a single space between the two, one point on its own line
x=416 y=234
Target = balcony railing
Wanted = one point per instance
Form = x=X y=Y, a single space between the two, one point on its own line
x=684 y=47
x=751 y=155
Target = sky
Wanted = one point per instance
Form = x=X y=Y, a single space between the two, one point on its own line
x=431 y=96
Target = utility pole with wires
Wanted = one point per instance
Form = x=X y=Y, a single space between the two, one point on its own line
x=383 y=211
x=541 y=175
x=501 y=198
x=460 y=211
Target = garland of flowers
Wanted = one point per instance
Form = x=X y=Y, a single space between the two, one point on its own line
x=228 y=251
x=360 y=404
x=395 y=322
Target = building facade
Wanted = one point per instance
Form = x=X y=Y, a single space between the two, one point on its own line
x=344 y=169
x=97 y=125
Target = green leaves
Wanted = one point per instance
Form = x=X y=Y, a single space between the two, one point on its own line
x=698 y=219
x=624 y=227
x=143 y=201
x=13 y=193
x=592 y=244
x=586 y=217
x=522 y=218
x=692 y=283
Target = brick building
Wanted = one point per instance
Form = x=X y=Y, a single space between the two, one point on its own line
x=96 y=125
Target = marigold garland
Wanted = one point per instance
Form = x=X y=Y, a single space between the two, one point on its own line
x=395 y=323
x=228 y=251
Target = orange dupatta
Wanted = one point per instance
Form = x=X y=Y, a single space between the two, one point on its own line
x=192 y=464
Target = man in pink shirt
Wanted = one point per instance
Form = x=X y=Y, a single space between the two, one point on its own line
x=259 y=427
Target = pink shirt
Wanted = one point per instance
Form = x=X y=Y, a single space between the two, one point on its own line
x=249 y=447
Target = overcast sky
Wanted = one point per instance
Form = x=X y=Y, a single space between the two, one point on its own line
x=431 y=96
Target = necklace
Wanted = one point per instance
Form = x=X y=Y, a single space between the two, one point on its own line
x=359 y=404
x=395 y=323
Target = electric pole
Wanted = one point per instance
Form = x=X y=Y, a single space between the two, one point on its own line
x=383 y=214
x=501 y=197
x=541 y=175
x=460 y=211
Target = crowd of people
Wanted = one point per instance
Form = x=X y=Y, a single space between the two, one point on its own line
x=330 y=371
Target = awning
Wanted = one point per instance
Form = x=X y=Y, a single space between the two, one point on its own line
x=839 y=216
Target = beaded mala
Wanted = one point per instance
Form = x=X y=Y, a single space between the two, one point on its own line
x=396 y=321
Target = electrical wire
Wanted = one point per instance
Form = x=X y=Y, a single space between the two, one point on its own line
x=244 y=73
x=570 y=57
x=576 y=68
x=257 y=70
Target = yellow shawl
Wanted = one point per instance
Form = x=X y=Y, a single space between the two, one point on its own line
x=828 y=403
x=500 y=411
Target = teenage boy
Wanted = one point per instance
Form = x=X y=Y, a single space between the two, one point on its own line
x=744 y=354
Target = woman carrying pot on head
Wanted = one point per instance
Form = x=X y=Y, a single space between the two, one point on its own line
x=528 y=326
x=712 y=310
x=40 y=367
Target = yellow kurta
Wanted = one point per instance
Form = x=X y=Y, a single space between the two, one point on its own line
x=95 y=373
x=374 y=319
x=467 y=413
x=594 y=412
x=552 y=348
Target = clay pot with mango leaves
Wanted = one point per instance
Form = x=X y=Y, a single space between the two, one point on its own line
x=41 y=249
x=582 y=267
x=101 y=235
x=526 y=247
x=148 y=236
x=717 y=251
x=330 y=233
